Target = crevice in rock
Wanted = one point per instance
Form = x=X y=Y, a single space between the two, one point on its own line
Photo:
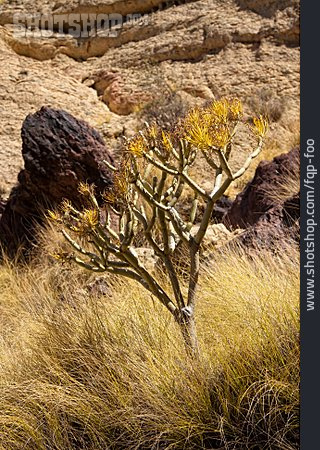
x=198 y=52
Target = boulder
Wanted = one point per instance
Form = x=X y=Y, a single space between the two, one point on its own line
x=268 y=216
x=259 y=196
x=59 y=152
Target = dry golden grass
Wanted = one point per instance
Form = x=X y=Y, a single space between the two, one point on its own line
x=84 y=371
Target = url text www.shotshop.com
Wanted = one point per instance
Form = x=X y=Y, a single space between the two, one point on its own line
x=309 y=238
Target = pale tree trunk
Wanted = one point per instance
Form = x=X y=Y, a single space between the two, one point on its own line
x=187 y=322
x=189 y=333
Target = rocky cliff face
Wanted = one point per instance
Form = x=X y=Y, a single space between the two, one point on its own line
x=192 y=51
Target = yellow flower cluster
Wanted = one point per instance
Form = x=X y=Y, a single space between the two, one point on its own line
x=140 y=145
x=166 y=141
x=89 y=218
x=81 y=222
x=66 y=207
x=120 y=187
x=85 y=189
x=54 y=216
x=211 y=127
x=225 y=110
x=260 y=126
x=137 y=146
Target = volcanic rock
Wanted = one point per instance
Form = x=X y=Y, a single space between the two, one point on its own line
x=59 y=152
x=267 y=217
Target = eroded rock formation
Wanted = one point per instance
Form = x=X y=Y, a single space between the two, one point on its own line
x=265 y=208
x=59 y=152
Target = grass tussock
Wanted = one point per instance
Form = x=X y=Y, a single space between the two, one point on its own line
x=81 y=370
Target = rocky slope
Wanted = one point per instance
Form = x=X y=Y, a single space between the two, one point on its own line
x=188 y=51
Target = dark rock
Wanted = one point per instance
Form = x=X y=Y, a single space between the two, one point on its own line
x=221 y=208
x=2 y=205
x=272 y=231
x=268 y=219
x=258 y=196
x=291 y=210
x=59 y=152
